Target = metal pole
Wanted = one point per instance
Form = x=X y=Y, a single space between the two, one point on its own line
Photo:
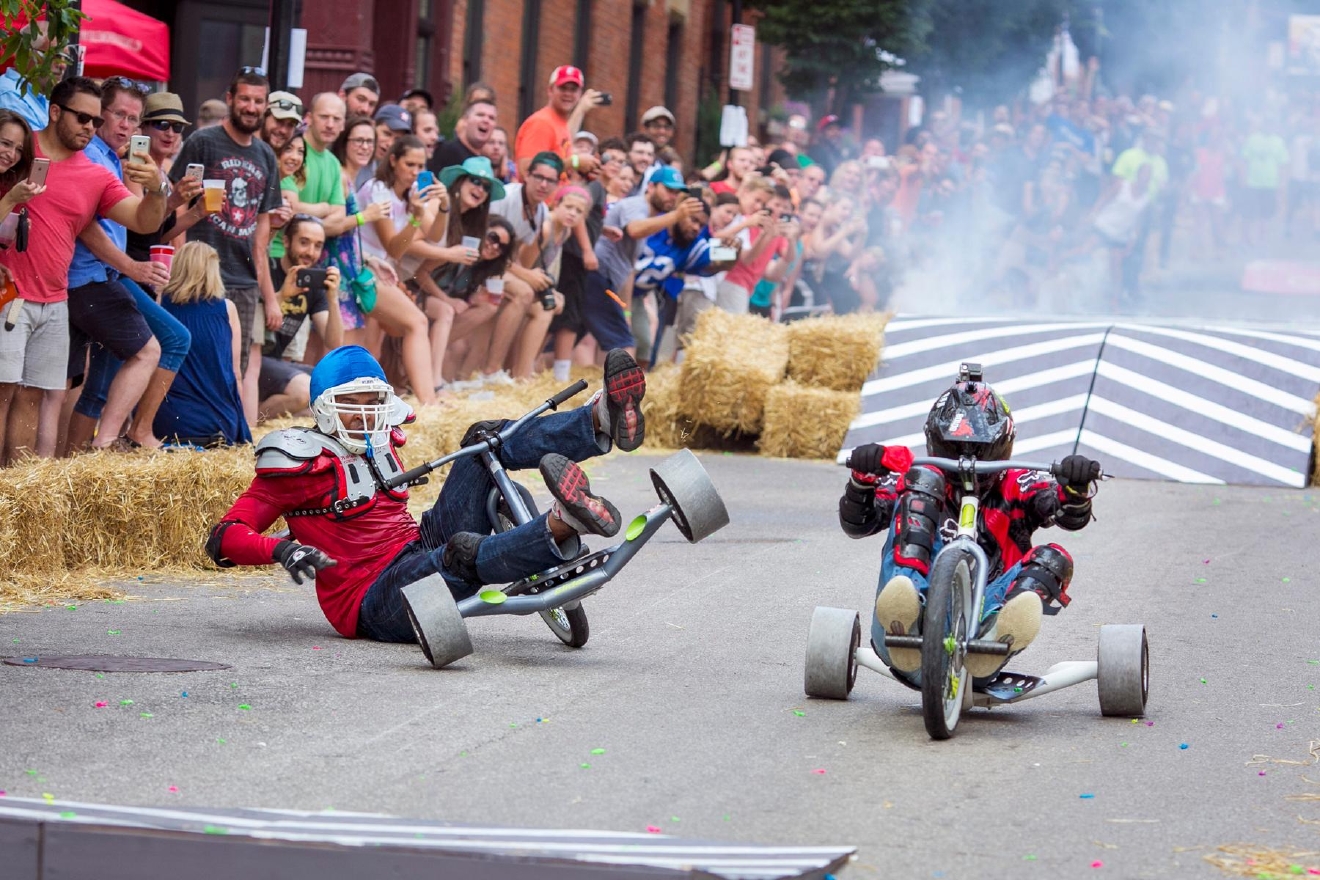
x=735 y=98
x=277 y=58
x=73 y=50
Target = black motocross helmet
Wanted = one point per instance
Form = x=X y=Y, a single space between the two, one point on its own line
x=970 y=419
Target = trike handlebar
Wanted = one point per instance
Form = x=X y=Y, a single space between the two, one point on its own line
x=489 y=441
x=953 y=465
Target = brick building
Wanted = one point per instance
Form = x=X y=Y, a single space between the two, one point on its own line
x=670 y=52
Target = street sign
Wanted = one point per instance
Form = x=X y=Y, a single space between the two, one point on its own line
x=742 y=57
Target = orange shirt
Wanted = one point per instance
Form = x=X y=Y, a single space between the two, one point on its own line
x=543 y=130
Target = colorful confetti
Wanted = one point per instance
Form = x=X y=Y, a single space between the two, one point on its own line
x=653 y=829
x=101 y=704
x=1086 y=796
x=245 y=707
x=598 y=751
x=820 y=771
x=1097 y=864
x=112 y=632
x=1183 y=746
x=173 y=789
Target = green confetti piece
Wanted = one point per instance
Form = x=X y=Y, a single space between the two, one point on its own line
x=493 y=597
x=99 y=675
x=726 y=817
x=125 y=702
x=1122 y=745
x=30 y=772
x=513 y=723
x=147 y=715
x=221 y=741
x=799 y=713
x=462 y=754
x=234 y=686
x=636 y=527
x=1296 y=869
x=675 y=819
x=585 y=766
x=1287 y=580
x=1203 y=681
x=245 y=707
x=1029 y=857
x=112 y=632
x=71 y=607
x=68 y=814
x=598 y=751
x=214 y=829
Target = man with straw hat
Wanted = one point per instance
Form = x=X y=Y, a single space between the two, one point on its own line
x=357 y=539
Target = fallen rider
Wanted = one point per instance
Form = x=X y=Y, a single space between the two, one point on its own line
x=356 y=538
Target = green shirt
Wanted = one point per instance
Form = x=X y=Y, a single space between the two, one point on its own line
x=325 y=185
x=1265 y=155
x=1129 y=162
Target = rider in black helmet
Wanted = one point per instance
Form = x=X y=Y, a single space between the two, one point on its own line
x=915 y=507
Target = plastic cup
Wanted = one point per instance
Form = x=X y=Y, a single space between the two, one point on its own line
x=495 y=288
x=163 y=254
x=471 y=242
x=214 y=192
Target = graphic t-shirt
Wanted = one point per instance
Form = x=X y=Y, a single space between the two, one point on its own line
x=295 y=311
x=662 y=262
x=77 y=189
x=252 y=185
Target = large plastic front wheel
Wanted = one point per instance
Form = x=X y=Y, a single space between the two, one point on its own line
x=944 y=636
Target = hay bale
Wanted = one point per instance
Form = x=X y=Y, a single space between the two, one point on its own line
x=35 y=501
x=804 y=422
x=666 y=427
x=836 y=352
x=731 y=364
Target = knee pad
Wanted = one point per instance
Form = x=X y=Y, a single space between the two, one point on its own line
x=460 y=556
x=1046 y=570
x=917 y=519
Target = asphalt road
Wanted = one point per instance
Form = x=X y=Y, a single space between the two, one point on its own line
x=692 y=686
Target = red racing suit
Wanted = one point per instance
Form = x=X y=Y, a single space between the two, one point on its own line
x=362 y=539
x=1014 y=504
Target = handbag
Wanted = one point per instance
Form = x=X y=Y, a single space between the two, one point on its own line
x=363 y=284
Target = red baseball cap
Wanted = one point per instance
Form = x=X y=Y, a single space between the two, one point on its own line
x=826 y=122
x=566 y=74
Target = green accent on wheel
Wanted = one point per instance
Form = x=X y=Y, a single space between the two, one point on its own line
x=950 y=645
x=493 y=597
x=636 y=527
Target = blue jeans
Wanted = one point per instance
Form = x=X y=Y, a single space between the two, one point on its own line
x=995 y=590
x=174 y=339
x=461 y=507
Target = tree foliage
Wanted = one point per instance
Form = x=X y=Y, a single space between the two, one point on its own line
x=842 y=45
x=22 y=44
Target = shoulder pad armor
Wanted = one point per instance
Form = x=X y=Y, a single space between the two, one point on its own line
x=293 y=450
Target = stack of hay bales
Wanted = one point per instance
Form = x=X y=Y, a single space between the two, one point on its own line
x=829 y=360
x=731 y=364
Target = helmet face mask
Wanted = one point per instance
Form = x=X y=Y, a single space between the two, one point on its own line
x=357 y=413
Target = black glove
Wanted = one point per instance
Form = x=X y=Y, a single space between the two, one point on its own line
x=302 y=562
x=857 y=513
x=1077 y=472
x=866 y=458
x=488 y=425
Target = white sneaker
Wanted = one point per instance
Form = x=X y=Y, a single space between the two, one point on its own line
x=897 y=609
x=498 y=378
x=465 y=384
x=1018 y=624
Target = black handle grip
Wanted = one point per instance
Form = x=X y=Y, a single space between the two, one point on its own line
x=572 y=390
x=408 y=477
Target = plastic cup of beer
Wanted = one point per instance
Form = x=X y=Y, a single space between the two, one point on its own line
x=163 y=254
x=214 y=193
x=495 y=289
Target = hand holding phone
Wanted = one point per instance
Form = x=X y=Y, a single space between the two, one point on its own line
x=311 y=279
x=138 y=145
x=424 y=179
x=195 y=171
x=40 y=168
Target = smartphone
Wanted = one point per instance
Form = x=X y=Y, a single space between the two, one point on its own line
x=37 y=176
x=424 y=179
x=195 y=171
x=606 y=99
x=880 y=162
x=722 y=253
x=138 y=143
x=310 y=279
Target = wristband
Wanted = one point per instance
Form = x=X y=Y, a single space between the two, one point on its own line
x=361 y=218
x=414 y=222
x=574 y=160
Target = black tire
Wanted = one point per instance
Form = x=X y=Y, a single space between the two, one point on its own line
x=570 y=626
x=943 y=668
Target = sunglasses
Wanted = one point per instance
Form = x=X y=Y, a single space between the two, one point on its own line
x=166 y=125
x=83 y=118
x=286 y=104
x=480 y=181
x=124 y=82
x=245 y=71
x=494 y=238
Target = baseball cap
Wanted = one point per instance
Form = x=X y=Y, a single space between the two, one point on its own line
x=394 y=117
x=669 y=178
x=418 y=93
x=565 y=74
x=658 y=112
x=360 y=81
x=826 y=122
x=163 y=107
x=585 y=135
x=285 y=105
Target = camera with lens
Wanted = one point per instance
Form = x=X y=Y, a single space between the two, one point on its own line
x=548 y=295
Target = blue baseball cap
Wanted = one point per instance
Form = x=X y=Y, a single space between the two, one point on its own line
x=394 y=117
x=669 y=178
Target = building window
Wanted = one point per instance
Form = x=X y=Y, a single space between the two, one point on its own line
x=425 y=40
x=530 y=87
x=582 y=36
x=473 y=37
x=673 y=61
x=635 y=50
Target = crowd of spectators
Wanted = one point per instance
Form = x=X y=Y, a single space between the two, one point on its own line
x=178 y=290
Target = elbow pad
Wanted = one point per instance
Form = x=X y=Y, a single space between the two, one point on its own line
x=213 y=543
x=857 y=512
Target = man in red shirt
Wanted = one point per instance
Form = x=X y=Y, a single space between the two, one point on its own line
x=34 y=356
x=552 y=127
x=329 y=484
